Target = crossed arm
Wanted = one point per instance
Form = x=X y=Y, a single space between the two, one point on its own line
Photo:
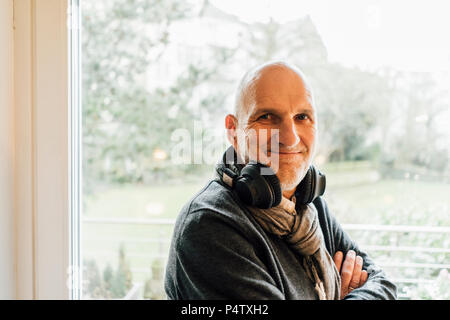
x=352 y=274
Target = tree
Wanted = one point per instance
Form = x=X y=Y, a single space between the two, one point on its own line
x=124 y=120
x=122 y=282
x=114 y=284
x=108 y=276
x=353 y=107
x=421 y=105
x=93 y=287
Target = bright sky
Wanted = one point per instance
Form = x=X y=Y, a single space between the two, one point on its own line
x=410 y=35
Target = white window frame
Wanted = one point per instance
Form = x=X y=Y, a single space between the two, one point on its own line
x=43 y=145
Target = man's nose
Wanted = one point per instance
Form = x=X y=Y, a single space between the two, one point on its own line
x=288 y=135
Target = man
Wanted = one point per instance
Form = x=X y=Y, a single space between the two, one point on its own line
x=223 y=248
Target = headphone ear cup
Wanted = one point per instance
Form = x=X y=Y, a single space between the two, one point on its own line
x=274 y=183
x=305 y=189
x=312 y=186
x=245 y=191
x=254 y=189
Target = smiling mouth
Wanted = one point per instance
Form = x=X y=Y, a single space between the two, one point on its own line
x=286 y=153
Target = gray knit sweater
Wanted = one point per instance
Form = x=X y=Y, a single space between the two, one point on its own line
x=219 y=251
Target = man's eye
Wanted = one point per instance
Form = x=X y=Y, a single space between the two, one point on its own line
x=302 y=116
x=266 y=116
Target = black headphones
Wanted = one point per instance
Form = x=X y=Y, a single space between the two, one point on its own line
x=264 y=191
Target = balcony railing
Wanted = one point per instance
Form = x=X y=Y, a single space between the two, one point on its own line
x=395 y=258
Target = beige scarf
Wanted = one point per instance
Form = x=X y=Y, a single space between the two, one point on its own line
x=300 y=228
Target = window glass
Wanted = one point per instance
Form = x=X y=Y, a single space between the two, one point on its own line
x=158 y=78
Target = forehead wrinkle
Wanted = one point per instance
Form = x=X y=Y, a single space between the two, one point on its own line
x=301 y=104
x=247 y=93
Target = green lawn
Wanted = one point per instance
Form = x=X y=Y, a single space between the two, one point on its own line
x=356 y=197
x=392 y=202
x=131 y=201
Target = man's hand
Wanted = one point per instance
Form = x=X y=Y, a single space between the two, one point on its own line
x=352 y=275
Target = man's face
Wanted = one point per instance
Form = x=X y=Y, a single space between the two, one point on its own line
x=283 y=118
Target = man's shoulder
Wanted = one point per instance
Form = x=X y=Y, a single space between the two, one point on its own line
x=214 y=204
x=213 y=198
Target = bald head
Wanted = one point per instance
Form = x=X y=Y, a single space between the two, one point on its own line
x=272 y=76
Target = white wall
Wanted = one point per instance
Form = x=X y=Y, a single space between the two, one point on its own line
x=7 y=227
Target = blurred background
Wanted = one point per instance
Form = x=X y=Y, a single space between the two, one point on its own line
x=380 y=72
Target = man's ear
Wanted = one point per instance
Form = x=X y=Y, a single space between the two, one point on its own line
x=231 y=124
